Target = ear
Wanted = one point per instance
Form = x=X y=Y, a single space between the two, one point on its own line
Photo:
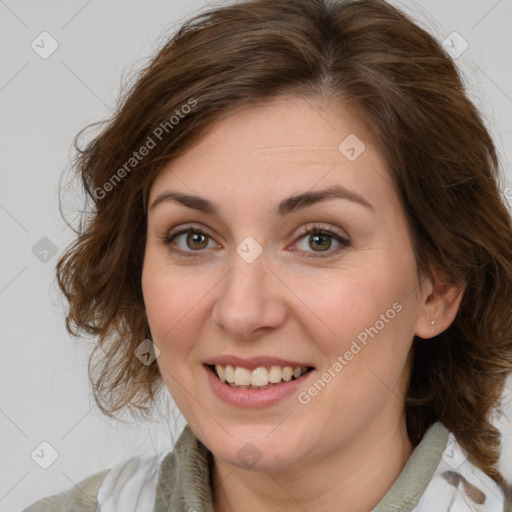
x=441 y=302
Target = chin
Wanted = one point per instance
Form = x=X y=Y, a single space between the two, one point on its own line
x=259 y=452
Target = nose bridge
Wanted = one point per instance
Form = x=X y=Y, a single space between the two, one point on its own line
x=249 y=297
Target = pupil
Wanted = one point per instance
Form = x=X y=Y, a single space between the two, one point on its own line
x=324 y=238
x=195 y=238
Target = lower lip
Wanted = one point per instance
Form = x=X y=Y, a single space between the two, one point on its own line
x=254 y=397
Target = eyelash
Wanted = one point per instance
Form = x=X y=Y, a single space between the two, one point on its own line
x=315 y=229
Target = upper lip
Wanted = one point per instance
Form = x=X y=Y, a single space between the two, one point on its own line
x=254 y=362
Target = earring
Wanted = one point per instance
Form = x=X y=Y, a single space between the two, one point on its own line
x=432 y=322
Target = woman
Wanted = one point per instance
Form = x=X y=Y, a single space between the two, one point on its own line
x=297 y=226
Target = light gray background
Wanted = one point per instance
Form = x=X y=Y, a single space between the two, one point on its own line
x=44 y=393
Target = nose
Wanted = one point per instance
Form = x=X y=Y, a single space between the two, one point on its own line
x=249 y=303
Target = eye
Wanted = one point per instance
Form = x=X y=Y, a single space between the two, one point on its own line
x=189 y=241
x=321 y=238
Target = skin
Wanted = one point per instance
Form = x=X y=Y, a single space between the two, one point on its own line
x=322 y=455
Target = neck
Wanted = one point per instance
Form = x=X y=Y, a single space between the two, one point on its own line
x=338 y=482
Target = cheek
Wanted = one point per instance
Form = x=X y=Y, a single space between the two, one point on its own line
x=365 y=347
x=172 y=309
x=365 y=316
x=343 y=304
x=169 y=301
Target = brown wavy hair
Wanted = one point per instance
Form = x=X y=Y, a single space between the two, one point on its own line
x=372 y=58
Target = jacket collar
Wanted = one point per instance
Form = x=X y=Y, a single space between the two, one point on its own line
x=184 y=483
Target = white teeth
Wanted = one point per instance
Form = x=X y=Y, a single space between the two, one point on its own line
x=229 y=373
x=261 y=377
x=220 y=371
x=287 y=373
x=242 y=376
x=274 y=375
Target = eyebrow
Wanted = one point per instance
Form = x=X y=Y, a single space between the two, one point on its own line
x=285 y=207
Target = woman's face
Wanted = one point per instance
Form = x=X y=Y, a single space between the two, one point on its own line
x=255 y=291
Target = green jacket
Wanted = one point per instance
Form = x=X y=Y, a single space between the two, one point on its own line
x=428 y=482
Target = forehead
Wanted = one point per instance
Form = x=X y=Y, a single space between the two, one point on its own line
x=284 y=146
x=288 y=127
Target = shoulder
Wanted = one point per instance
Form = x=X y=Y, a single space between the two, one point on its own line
x=131 y=485
x=140 y=482
x=80 y=498
x=131 y=482
x=440 y=476
x=158 y=482
x=459 y=482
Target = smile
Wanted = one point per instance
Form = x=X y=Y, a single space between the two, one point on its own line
x=256 y=382
x=262 y=377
